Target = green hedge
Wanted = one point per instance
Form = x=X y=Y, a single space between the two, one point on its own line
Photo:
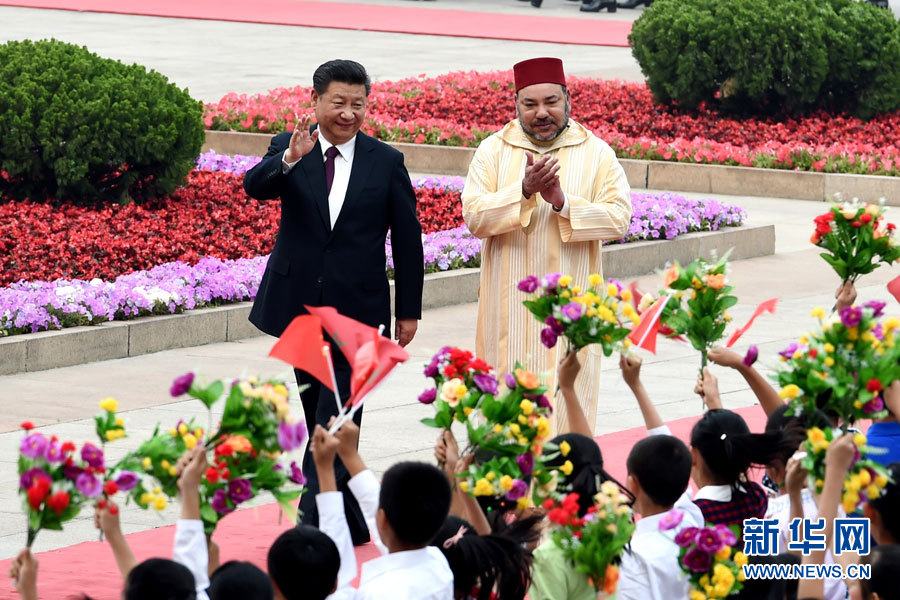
x=771 y=56
x=77 y=127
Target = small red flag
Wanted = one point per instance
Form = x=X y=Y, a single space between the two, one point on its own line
x=894 y=288
x=301 y=346
x=374 y=360
x=768 y=305
x=644 y=335
x=348 y=334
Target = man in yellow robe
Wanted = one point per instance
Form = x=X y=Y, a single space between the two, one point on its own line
x=541 y=193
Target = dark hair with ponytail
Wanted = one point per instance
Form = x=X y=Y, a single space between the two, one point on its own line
x=588 y=473
x=729 y=449
x=793 y=428
x=484 y=564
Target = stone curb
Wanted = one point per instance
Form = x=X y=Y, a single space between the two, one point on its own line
x=642 y=174
x=122 y=339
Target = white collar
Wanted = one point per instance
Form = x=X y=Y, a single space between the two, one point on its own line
x=346 y=149
x=397 y=561
x=716 y=493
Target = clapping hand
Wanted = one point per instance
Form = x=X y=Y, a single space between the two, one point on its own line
x=302 y=141
x=541 y=176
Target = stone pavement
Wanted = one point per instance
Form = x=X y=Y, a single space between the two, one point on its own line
x=392 y=432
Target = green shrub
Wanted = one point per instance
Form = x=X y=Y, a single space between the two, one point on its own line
x=770 y=56
x=81 y=128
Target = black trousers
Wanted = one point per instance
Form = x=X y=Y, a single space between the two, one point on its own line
x=318 y=407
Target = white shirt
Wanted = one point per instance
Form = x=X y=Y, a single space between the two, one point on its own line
x=343 y=164
x=651 y=570
x=191 y=551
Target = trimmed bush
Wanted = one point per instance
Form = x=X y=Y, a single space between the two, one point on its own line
x=770 y=56
x=80 y=128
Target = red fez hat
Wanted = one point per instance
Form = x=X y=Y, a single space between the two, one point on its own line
x=538 y=70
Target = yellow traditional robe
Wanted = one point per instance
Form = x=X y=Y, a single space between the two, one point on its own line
x=524 y=236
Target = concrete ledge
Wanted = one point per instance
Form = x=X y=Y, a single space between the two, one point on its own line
x=650 y=174
x=79 y=345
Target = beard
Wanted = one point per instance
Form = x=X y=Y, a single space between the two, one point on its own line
x=560 y=127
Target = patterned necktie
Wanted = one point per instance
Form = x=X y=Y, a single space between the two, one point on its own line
x=330 y=155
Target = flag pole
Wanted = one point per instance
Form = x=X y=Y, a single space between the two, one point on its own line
x=326 y=350
x=349 y=415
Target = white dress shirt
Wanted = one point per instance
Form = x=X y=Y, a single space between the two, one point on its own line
x=191 y=551
x=343 y=164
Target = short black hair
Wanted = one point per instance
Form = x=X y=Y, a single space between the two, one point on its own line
x=343 y=71
x=160 y=579
x=415 y=498
x=662 y=465
x=885 y=562
x=237 y=580
x=304 y=562
x=888 y=502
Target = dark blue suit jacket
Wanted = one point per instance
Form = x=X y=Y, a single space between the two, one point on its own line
x=345 y=267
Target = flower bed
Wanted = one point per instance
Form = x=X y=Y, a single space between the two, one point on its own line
x=463 y=108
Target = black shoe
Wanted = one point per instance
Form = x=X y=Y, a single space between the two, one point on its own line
x=537 y=3
x=598 y=5
x=635 y=3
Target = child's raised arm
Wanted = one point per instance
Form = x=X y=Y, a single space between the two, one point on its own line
x=631 y=373
x=765 y=393
x=23 y=572
x=190 y=547
x=566 y=373
x=106 y=519
x=708 y=389
x=363 y=484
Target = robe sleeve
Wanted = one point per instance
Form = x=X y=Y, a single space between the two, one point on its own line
x=486 y=209
x=606 y=216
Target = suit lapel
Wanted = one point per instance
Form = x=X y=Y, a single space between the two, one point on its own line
x=359 y=173
x=314 y=169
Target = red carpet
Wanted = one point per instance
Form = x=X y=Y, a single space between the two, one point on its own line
x=247 y=534
x=365 y=17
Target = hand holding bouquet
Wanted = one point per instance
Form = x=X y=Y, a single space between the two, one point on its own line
x=461 y=383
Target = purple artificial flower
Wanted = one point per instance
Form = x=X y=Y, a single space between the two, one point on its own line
x=33 y=445
x=686 y=536
x=548 y=337
x=851 y=316
x=544 y=402
x=287 y=437
x=220 y=502
x=432 y=369
x=554 y=324
x=878 y=332
x=874 y=405
x=301 y=432
x=671 y=519
x=788 y=352
x=54 y=453
x=751 y=356
x=526 y=462
x=181 y=385
x=697 y=560
x=876 y=306
x=549 y=282
x=519 y=488
x=486 y=383
x=31 y=475
x=726 y=534
x=239 y=490
x=71 y=472
x=428 y=396
x=708 y=540
x=92 y=455
x=297 y=475
x=572 y=311
x=529 y=284
x=510 y=380
x=127 y=481
x=88 y=485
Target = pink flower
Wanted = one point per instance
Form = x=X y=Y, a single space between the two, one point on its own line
x=519 y=488
x=529 y=284
x=686 y=536
x=671 y=519
x=428 y=396
x=751 y=356
x=92 y=455
x=33 y=446
x=708 y=540
x=297 y=475
x=726 y=534
x=181 y=385
x=88 y=485
x=572 y=311
x=127 y=481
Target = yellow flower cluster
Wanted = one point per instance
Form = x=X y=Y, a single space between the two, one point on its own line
x=114 y=434
x=453 y=391
x=109 y=404
x=190 y=437
x=274 y=395
x=723 y=578
x=164 y=465
x=155 y=499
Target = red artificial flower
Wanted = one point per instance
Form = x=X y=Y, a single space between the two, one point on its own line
x=226 y=474
x=113 y=509
x=224 y=450
x=37 y=492
x=813 y=353
x=577 y=533
x=856 y=224
x=873 y=385
x=68 y=447
x=110 y=488
x=58 y=502
x=480 y=366
x=101 y=504
x=866 y=218
x=450 y=371
x=222 y=465
x=212 y=475
x=548 y=504
x=27 y=425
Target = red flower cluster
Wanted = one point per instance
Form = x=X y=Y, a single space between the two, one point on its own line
x=565 y=513
x=462 y=363
x=463 y=108
x=209 y=216
x=823 y=225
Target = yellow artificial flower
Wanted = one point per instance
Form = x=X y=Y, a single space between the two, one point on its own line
x=860 y=440
x=820 y=483
x=109 y=404
x=565 y=448
x=120 y=422
x=281 y=390
x=594 y=280
x=498 y=428
x=704 y=581
x=165 y=464
x=523 y=420
x=853 y=483
x=623 y=510
x=522 y=440
x=891 y=323
x=797 y=354
x=609 y=489
x=199 y=433
x=527 y=406
x=626 y=296
x=865 y=478
x=828 y=347
x=591 y=312
x=815 y=435
x=612 y=528
x=852 y=333
x=789 y=391
x=881 y=481
x=567 y=468
x=147 y=463
x=514 y=427
x=173 y=471
x=565 y=280
x=543 y=428
x=857 y=404
x=829 y=362
x=740 y=559
x=523 y=503
x=873 y=491
x=190 y=441
x=724 y=552
x=182 y=428
x=612 y=290
x=467 y=410
x=157 y=490
x=173 y=432
x=146 y=499
x=818 y=312
x=483 y=487
x=110 y=435
x=576 y=289
x=160 y=503
x=697 y=595
x=506 y=483
x=464 y=486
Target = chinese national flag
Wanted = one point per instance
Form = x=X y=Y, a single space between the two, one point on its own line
x=768 y=305
x=894 y=288
x=374 y=359
x=301 y=346
x=644 y=335
x=348 y=334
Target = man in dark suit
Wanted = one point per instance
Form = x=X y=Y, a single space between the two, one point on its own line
x=340 y=191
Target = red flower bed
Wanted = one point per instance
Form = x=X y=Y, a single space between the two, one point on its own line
x=210 y=216
x=463 y=108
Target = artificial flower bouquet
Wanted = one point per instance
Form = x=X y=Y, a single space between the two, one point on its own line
x=461 y=383
x=593 y=543
x=864 y=481
x=707 y=556
x=856 y=238
x=699 y=301
x=513 y=430
x=600 y=314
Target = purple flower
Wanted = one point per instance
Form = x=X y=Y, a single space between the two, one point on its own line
x=751 y=356
x=874 y=405
x=876 y=306
x=239 y=490
x=486 y=383
x=554 y=324
x=297 y=475
x=510 y=380
x=88 y=485
x=671 y=519
x=851 y=316
x=697 y=560
x=432 y=369
x=525 y=462
x=519 y=488
x=543 y=401
x=529 y=284
x=726 y=534
x=54 y=453
x=33 y=446
x=127 y=480
x=220 y=502
x=548 y=337
x=788 y=352
x=708 y=540
x=71 y=472
x=31 y=475
x=288 y=437
x=92 y=455
x=428 y=396
x=572 y=311
x=551 y=281
x=181 y=385
x=686 y=536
